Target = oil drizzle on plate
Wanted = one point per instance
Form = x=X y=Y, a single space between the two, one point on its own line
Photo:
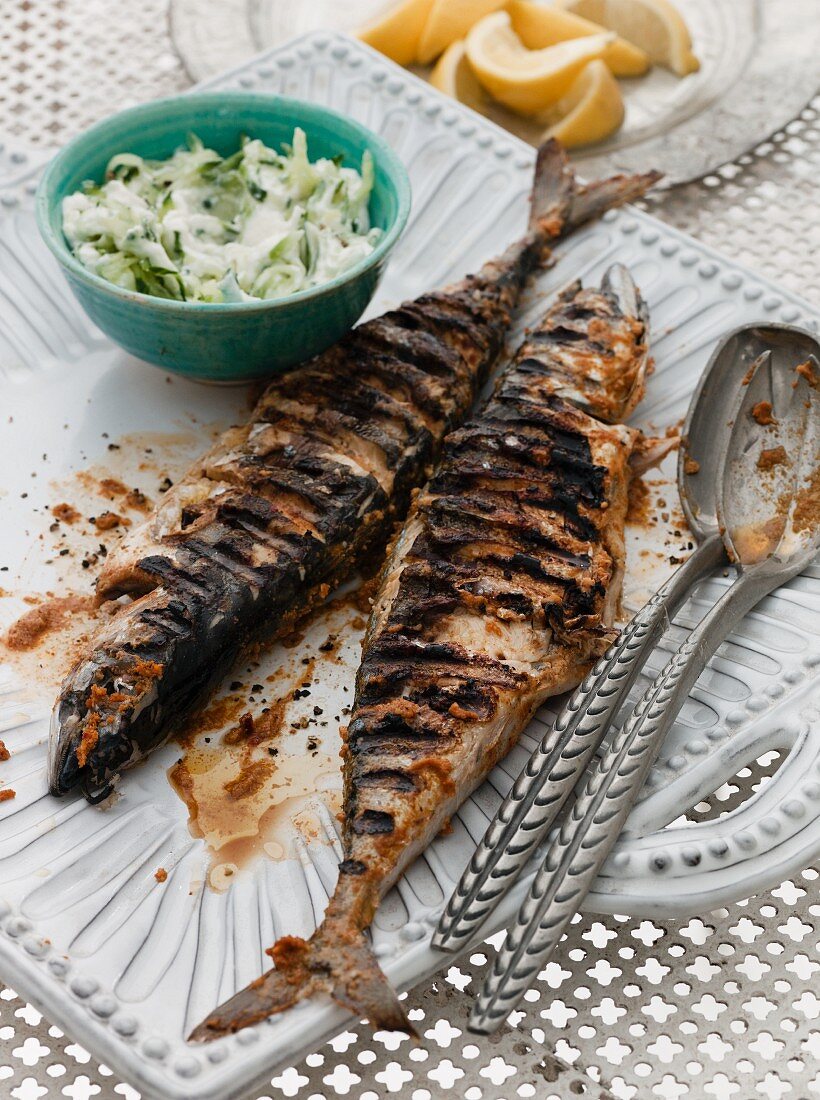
x=260 y=770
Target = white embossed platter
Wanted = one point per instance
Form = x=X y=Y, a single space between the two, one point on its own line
x=128 y=963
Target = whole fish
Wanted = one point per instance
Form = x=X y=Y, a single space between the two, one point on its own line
x=289 y=505
x=500 y=591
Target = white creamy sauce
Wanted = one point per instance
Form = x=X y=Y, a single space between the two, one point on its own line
x=200 y=227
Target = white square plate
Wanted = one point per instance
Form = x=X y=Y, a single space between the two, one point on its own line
x=128 y=964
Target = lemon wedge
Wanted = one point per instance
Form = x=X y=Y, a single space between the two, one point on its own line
x=591 y=110
x=541 y=25
x=527 y=80
x=397 y=33
x=454 y=76
x=655 y=25
x=449 y=21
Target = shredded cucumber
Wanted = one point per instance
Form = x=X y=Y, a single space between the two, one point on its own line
x=205 y=228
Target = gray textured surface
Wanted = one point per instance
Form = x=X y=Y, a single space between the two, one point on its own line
x=720 y=1006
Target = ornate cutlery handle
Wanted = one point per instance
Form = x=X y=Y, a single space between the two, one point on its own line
x=601 y=810
x=529 y=810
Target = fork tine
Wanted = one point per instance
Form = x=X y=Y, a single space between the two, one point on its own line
x=530 y=809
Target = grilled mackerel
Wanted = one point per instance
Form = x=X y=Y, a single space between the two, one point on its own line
x=499 y=592
x=289 y=505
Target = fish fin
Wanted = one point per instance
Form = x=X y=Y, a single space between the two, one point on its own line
x=560 y=204
x=650 y=451
x=344 y=967
x=591 y=200
x=553 y=188
x=569 y=292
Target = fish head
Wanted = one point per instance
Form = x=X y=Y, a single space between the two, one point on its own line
x=94 y=735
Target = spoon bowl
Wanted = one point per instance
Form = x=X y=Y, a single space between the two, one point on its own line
x=768 y=498
x=705 y=436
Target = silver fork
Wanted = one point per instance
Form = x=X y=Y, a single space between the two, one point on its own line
x=770 y=548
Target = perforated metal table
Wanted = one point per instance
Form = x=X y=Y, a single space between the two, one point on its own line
x=723 y=1007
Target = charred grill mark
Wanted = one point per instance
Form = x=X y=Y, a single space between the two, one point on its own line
x=513 y=510
x=447 y=321
x=450 y=523
x=352 y=867
x=362 y=400
x=411 y=390
x=257 y=511
x=412 y=744
x=173 y=621
x=228 y=551
x=490 y=458
x=372 y=428
x=290 y=546
x=327 y=474
x=439 y=658
x=423 y=595
x=489 y=494
x=191 y=584
x=258 y=470
x=373 y=823
x=465 y=698
x=249 y=508
x=335 y=493
x=538 y=568
x=559 y=334
x=414 y=349
x=391 y=779
x=518 y=406
x=387 y=367
x=437 y=692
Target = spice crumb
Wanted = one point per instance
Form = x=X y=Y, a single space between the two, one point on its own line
x=762 y=413
x=106 y=521
x=774 y=456
x=65 y=513
x=807 y=371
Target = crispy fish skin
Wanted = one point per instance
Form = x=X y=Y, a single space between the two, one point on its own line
x=499 y=591
x=290 y=504
x=274 y=515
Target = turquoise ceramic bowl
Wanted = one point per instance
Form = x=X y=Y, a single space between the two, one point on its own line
x=225 y=342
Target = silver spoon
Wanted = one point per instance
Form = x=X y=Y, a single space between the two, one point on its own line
x=529 y=810
x=767 y=510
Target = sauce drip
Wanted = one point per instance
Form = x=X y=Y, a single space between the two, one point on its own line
x=260 y=771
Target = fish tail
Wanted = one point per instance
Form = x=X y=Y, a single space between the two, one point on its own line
x=559 y=204
x=553 y=188
x=342 y=966
x=591 y=200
